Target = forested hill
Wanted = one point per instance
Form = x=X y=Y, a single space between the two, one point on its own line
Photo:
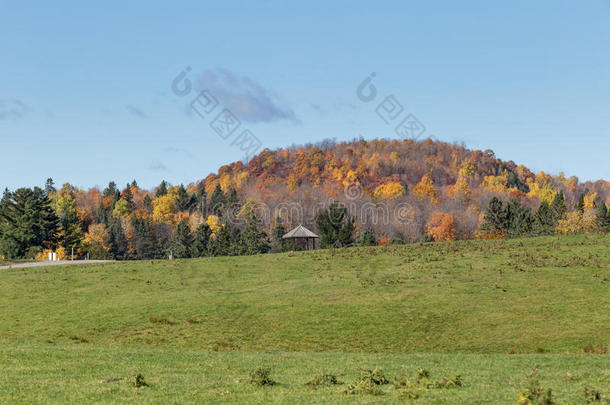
x=389 y=191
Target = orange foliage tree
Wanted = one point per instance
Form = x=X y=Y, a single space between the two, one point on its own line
x=442 y=227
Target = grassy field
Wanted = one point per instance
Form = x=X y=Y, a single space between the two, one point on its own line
x=488 y=310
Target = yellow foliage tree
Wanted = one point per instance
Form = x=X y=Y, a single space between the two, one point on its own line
x=214 y=223
x=390 y=189
x=164 y=208
x=590 y=199
x=97 y=242
x=460 y=189
x=542 y=187
x=425 y=189
x=467 y=169
x=496 y=184
x=577 y=222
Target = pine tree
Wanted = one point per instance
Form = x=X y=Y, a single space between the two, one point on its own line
x=518 y=219
x=366 y=238
x=580 y=204
x=111 y=190
x=230 y=197
x=128 y=196
x=544 y=220
x=148 y=203
x=118 y=241
x=27 y=221
x=49 y=187
x=182 y=199
x=162 y=189
x=559 y=207
x=201 y=239
x=220 y=245
x=277 y=240
x=181 y=240
x=254 y=239
x=216 y=201
x=495 y=217
x=602 y=217
x=144 y=239
x=336 y=226
x=202 y=199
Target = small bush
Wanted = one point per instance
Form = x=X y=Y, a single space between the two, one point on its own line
x=261 y=376
x=592 y=395
x=363 y=387
x=368 y=383
x=423 y=381
x=454 y=381
x=323 y=380
x=534 y=394
x=160 y=320
x=375 y=376
x=140 y=382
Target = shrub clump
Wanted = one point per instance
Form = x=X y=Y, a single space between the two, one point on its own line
x=592 y=395
x=369 y=383
x=534 y=394
x=261 y=377
x=140 y=382
x=324 y=380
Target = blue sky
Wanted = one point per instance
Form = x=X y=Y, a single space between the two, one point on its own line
x=86 y=89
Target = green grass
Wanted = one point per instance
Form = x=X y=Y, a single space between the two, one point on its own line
x=74 y=373
x=450 y=307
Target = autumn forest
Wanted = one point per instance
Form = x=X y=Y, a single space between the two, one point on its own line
x=351 y=193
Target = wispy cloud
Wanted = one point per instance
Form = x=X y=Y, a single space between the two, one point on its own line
x=12 y=108
x=135 y=111
x=245 y=97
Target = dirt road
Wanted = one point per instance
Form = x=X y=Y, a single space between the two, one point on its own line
x=47 y=263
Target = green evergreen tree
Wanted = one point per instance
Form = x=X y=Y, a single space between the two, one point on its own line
x=201 y=239
x=559 y=206
x=366 y=238
x=277 y=240
x=111 y=190
x=336 y=226
x=217 y=201
x=161 y=190
x=220 y=245
x=143 y=239
x=495 y=216
x=118 y=241
x=518 y=218
x=544 y=220
x=49 y=187
x=182 y=199
x=580 y=203
x=148 y=205
x=254 y=239
x=201 y=199
x=27 y=220
x=180 y=241
x=231 y=197
x=101 y=215
x=128 y=196
x=602 y=216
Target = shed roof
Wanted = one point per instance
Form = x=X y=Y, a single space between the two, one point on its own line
x=300 y=232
